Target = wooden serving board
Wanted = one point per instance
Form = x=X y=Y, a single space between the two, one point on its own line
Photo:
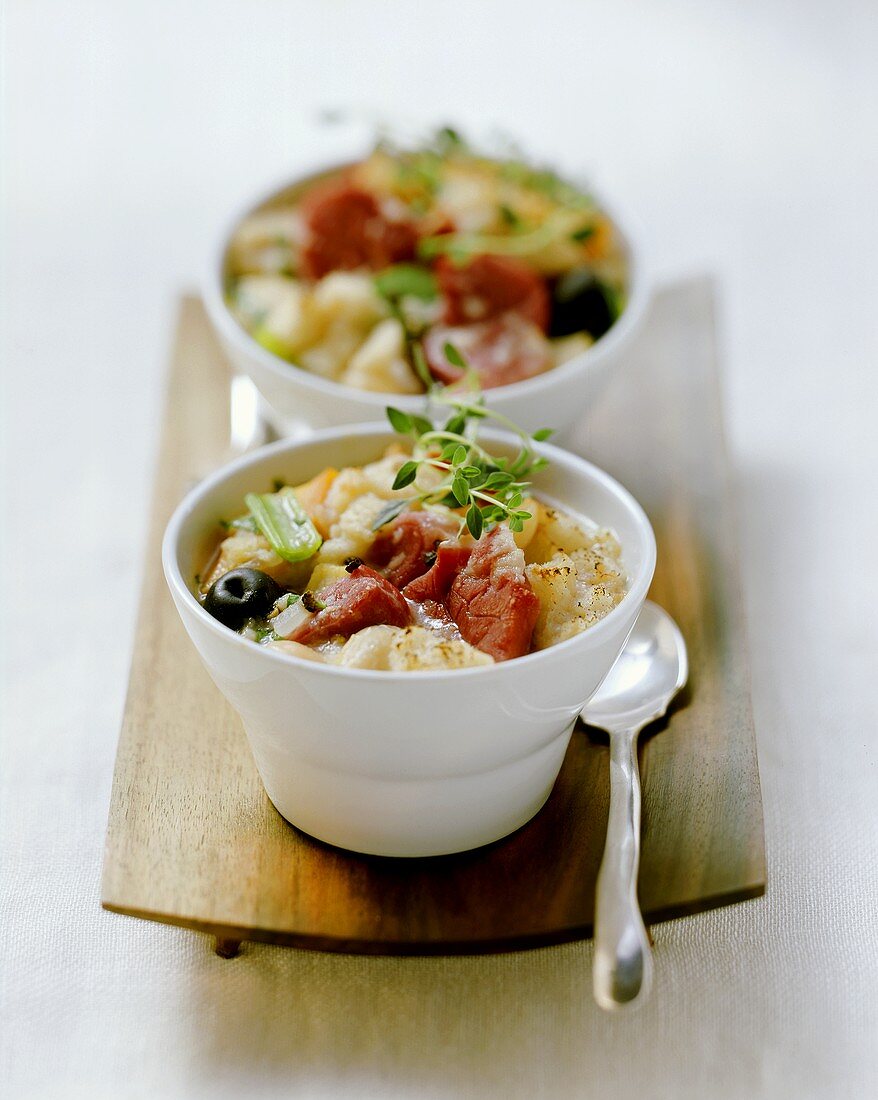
x=194 y=841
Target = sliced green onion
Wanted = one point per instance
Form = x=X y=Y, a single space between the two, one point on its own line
x=403 y=280
x=285 y=523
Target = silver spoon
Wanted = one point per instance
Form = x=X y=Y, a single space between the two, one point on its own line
x=247 y=428
x=648 y=674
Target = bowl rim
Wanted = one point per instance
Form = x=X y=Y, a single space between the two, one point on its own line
x=637 y=590
x=287 y=373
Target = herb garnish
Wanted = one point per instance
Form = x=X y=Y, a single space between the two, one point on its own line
x=406 y=280
x=508 y=216
x=460 y=246
x=490 y=488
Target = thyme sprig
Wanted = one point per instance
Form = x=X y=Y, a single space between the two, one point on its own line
x=491 y=488
x=562 y=224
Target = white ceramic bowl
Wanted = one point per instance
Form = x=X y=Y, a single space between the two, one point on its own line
x=295 y=399
x=417 y=763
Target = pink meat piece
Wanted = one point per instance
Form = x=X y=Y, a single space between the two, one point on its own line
x=501 y=351
x=486 y=287
x=347 y=229
x=434 y=585
x=491 y=600
x=401 y=547
x=362 y=598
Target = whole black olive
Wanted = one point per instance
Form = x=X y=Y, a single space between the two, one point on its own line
x=241 y=594
x=581 y=302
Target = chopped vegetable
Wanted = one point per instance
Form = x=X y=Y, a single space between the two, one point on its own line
x=403 y=280
x=285 y=523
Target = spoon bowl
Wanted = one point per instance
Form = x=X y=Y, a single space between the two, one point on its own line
x=648 y=673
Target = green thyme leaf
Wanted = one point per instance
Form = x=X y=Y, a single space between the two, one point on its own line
x=543 y=434
x=390 y=511
x=460 y=489
x=405 y=475
x=508 y=216
x=488 y=488
x=400 y=422
x=493 y=514
x=498 y=480
x=420 y=363
x=453 y=356
x=448 y=140
x=474 y=521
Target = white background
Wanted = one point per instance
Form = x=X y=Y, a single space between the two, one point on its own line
x=744 y=136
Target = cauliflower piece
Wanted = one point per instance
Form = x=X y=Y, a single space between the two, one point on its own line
x=255 y=296
x=351 y=535
x=278 y=312
x=577 y=575
x=324 y=575
x=368 y=648
x=555 y=531
x=405 y=650
x=354 y=481
x=329 y=356
x=267 y=242
x=380 y=363
x=554 y=582
x=468 y=195
x=346 y=308
x=349 y=296
x=296 y=649
x=417 y=649
x=382 y=472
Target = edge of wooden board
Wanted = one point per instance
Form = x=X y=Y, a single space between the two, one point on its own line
x=508 y=945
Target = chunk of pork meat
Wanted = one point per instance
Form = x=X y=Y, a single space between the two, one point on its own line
x=492 y=601
x=362 y=598
x=403 y=549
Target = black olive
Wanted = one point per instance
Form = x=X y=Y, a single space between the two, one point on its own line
x=581 y=302
x=241 y=594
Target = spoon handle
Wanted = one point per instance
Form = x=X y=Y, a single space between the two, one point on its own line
x=622 y=961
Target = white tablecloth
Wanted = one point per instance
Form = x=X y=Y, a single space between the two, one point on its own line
x=745 y=137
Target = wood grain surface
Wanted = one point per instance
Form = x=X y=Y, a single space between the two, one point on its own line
x=193 y=840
